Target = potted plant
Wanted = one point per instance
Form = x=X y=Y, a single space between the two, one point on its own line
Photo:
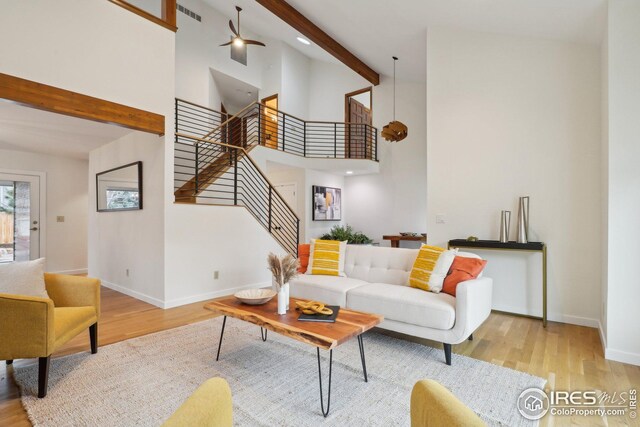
x=347 y=233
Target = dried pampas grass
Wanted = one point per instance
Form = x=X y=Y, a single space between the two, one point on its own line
x=283 y=268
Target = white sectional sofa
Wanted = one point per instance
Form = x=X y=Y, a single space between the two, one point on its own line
x=377 y=282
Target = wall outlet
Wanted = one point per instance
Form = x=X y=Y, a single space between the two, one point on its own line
x=60 y=218
x=440 y=219
x=216 y=275
x=127 y=272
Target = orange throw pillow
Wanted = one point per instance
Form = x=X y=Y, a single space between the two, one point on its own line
x=304 y=250
x=462 y=269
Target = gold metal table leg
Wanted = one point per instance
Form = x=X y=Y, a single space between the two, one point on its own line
x=544 y=286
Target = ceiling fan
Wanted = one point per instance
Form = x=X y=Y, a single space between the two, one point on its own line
x=237 y=39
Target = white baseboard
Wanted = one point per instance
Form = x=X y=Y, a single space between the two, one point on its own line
x=209 y=295
x=617 y=355
x=603 y=338
x=554 y=317
x=573 y=320
x=78 y=271
x=622 y=356
x=135 y=294
x=180 y=301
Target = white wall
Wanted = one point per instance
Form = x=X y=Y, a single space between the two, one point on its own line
x=509 y=117
x=294 y=93
x=272 y=70
x=604 y=184
x=294 y=175
x=395 y=199
x=92 y=50
x=114 y=41
x=203 y=239
x=328 y=83
x=130 y=240
x=623 y=203
x=66 y=193
x=197 y=50
x=315 y=229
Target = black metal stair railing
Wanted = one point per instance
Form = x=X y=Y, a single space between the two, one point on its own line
x=212 y=172
x=212 y=163
x=258 y=124
x=194 y=119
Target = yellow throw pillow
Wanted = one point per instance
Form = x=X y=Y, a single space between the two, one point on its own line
x=423 y=266
x=326 y=257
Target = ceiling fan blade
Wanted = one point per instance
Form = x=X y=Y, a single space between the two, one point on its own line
x=254 y=42
x=227 y=44
x=233 y=28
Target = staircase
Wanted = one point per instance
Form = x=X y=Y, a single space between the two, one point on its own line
x=213 y=166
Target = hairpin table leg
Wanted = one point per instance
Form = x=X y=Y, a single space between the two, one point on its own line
x=224 y=322
x=320 y=378
x=364 y=363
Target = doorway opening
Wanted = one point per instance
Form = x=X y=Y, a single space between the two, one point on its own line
x=270 y=121
x=358 y=107
x=21 y=234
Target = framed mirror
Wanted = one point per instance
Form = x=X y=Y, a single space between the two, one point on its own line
x=120 y=189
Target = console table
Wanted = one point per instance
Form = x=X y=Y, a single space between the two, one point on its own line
x=512 y=246
x=395 y=240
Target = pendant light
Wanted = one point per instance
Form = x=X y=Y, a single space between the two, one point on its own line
x=395 y=131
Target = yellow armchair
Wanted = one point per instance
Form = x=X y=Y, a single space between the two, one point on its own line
x=209 y=406
x=432 y=405
x=36 y=327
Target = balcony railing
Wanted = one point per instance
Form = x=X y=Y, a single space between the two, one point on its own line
x=258 y=124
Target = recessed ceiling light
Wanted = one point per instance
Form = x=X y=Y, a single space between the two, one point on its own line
x=303 y=40
x=349 y=172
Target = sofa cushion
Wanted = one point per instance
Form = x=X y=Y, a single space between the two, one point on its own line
x=405 y=304
x=327 y=289
x=374 y=264
x=462 y=269
x=424 y=267
x=326 y=257
x=304 y=251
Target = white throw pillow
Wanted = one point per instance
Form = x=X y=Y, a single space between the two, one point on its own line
x=341 y=259
x=23 y=278
x=441 y=270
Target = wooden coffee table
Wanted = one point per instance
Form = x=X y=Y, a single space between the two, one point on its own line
x=326 y=336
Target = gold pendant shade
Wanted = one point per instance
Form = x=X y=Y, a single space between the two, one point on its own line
x=395 y=131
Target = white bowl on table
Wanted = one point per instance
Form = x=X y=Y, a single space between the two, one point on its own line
x=255 y=296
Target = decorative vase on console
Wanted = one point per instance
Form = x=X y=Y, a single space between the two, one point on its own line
x=523 y=220
x=504 y=226
x=283 y=270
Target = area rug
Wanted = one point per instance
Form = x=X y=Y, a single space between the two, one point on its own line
x=140 y=382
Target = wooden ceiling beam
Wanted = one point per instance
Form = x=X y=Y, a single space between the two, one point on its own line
x=61 y=101
x=291 y=16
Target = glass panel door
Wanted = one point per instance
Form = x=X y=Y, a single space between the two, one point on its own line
x=19 y=217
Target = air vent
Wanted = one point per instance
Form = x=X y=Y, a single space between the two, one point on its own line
x=189 y=13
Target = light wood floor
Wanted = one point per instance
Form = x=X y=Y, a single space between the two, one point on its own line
x=569 y=357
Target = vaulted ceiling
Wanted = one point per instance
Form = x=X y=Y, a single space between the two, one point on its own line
x=374 y=30
x=377 y=29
